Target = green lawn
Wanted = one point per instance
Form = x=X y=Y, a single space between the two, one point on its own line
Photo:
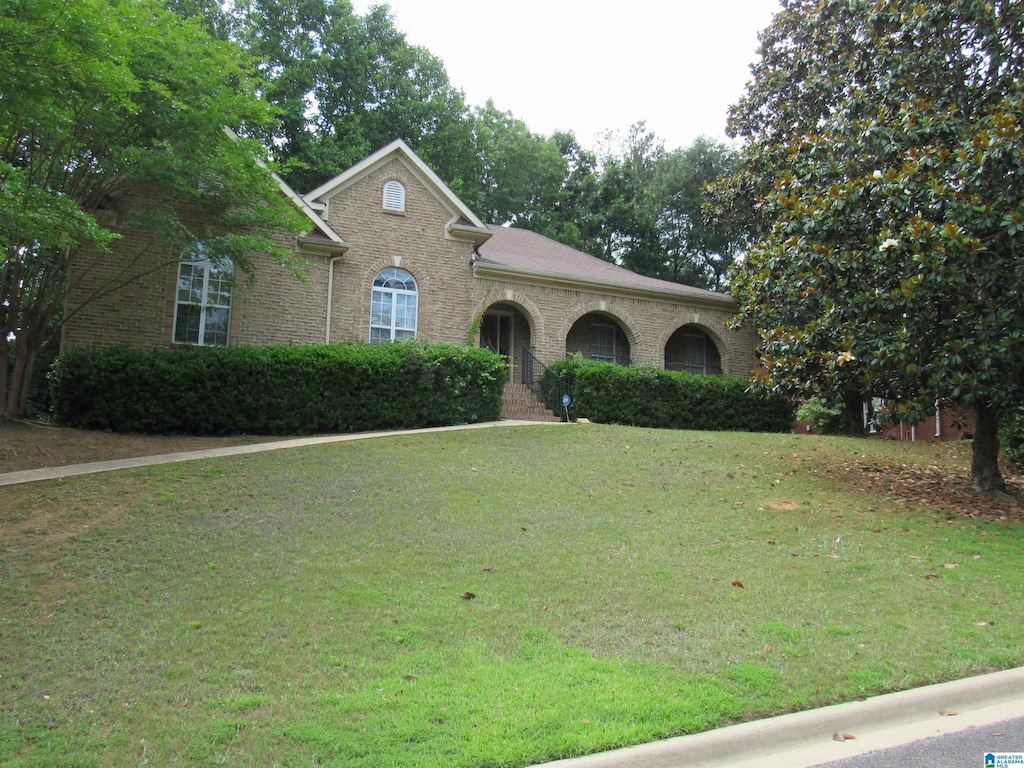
x=305 y=607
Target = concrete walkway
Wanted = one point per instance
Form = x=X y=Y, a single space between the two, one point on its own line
x=54 y=473
x=799 y=740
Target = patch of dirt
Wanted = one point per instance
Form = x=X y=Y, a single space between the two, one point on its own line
x=33 y=445
x=945 y=489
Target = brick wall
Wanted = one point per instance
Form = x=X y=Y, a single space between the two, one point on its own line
x=414 y=241
x=276 y=308
x=271 y=307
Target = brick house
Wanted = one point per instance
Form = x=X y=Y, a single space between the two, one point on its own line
x=392 y=253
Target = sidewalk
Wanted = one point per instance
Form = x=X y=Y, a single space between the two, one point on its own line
x=71 y=470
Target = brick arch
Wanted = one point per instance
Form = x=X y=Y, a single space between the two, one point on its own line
x=532 y=313
x=632 y=329
x=721 y=348
x=715 y=336
x=397 y=261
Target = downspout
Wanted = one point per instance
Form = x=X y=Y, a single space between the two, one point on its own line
x=330 y=295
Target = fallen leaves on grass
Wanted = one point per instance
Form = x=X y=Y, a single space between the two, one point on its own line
x=738 y=584
x=467 y=596
x=946 y=489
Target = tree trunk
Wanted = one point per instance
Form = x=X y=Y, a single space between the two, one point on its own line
x=5 y=374
x=985 y=475
x=20 y=380
x=853 y=413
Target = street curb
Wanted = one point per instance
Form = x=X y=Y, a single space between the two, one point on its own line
x=762 y=742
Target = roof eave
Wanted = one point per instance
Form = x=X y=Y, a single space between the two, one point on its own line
x=712 y=300
x=476 y=235
x=317 y=245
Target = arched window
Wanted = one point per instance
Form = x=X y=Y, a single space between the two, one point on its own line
x=394 y=196
x=392 y=306
x=202 y=310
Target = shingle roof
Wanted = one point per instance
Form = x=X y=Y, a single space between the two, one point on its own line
x=522 y=249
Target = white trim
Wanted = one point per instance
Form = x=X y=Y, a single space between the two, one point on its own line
x=204 y=302
x=392 y=295
x=292 y=195
x=396 y=149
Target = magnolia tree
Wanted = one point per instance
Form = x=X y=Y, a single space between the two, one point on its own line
x=884 y=175
x=101 y=99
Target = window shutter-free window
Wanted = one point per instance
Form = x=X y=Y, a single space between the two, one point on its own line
x=393 y=306
x=202 y=308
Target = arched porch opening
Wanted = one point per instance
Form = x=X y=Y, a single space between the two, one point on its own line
x=598 y=336
x=692 y=350
x=505 y=329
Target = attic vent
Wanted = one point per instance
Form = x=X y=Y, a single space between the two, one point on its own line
x=394 y=196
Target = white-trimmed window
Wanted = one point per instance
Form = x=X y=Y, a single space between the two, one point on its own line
x=202 y=310
x=393 y=306
x=394 y=196
x=602 y=342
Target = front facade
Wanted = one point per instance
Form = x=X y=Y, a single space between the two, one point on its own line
x=392 y=253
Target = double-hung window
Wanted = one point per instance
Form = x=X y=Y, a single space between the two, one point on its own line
x=602 y=342
x=393 y=306
x=202 y=311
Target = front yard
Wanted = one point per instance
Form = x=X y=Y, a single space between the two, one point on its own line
x=483 y=598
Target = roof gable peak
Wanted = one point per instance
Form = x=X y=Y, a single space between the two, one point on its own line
x=396 y=149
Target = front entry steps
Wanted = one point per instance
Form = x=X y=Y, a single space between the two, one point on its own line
x=521 y=403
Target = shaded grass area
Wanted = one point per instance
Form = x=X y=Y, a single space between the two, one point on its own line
x=305 y=607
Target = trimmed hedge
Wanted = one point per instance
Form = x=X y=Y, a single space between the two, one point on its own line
x=651 y=397
x=276 y=390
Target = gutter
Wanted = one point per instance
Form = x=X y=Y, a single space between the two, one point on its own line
x=330 y=295
x=522 y=274
x=478 y=235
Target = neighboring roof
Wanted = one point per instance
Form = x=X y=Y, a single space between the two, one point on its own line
x=527 y=253
x=401 y=150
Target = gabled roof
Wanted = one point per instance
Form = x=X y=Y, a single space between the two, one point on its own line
x=322 y=233
x=463 y=219
x=519 y=252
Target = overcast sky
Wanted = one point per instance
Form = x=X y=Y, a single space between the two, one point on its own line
x=591 y=67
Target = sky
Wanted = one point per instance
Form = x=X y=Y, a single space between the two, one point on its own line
x=593 y=67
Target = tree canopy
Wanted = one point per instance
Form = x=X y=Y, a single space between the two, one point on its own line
x=102 y=98
x=882 y=168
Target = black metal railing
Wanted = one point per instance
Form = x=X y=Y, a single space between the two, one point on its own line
x=535 y=375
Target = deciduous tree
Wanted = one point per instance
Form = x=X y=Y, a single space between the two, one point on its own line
x=100 y=99
x=697 y=249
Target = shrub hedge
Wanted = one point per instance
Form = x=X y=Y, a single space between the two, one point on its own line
x=651 y=397
x=276 y=390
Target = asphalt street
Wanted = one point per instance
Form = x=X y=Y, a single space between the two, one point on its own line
x=964 y=749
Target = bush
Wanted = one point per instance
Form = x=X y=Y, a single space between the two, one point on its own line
x=276 y=390
x=1011 y=435
x=826 y=419
x=651 y=397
